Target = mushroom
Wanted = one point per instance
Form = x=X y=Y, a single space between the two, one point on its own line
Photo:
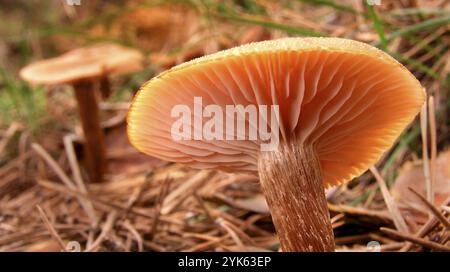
x=83 y=68
x=341 y=104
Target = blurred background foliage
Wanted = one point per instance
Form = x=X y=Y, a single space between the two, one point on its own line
x=171 y=31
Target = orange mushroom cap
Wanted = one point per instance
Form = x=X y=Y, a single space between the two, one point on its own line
x=88 y=62
x=348 y=99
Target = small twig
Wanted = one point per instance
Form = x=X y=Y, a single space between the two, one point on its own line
x=240 y=232
x=137 y=194
x=391 y=247
x=446 y=209
x=117 y=106
x=16 y=163
x=208 y=244
x=13 y=128
x=84 y=201
x=337 y=224
x=90 y=238
x=238 y=222
x=425 y=229
x=337 y=217
x=126 y=224
x=4 y=180
x=73 y=162
x=399 y=221
x=433 y=209
x=154 y=246
x=159 y=204
x=203 y=206
x=51 y=229
x=351 y=239
x=433 y=140
x=114 y=121
x=381 y=238
x=222 y=223
x=105 y=230
x=425 y=158
x=23 y=146
x=415 y=240
x=65 y=179
x=117 y=207
x=53 y=165
x=175 y=197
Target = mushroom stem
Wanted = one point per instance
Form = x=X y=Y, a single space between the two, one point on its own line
x=105 y=87
x=291 y=180
x=94 y=141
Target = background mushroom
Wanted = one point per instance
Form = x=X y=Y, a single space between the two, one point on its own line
x=83 y=68
x=342 y=104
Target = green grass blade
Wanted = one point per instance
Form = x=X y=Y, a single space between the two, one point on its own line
x=431 y=23
x=418 y=11
x=225 y=12
x=378 y=26
x=332 y=4
x=417 y=65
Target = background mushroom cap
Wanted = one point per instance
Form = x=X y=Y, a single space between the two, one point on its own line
x=88 y=62
x=348 y=99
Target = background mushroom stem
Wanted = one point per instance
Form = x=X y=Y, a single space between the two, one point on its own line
x=291 y=180
x=94 y=141
x=105 y=87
